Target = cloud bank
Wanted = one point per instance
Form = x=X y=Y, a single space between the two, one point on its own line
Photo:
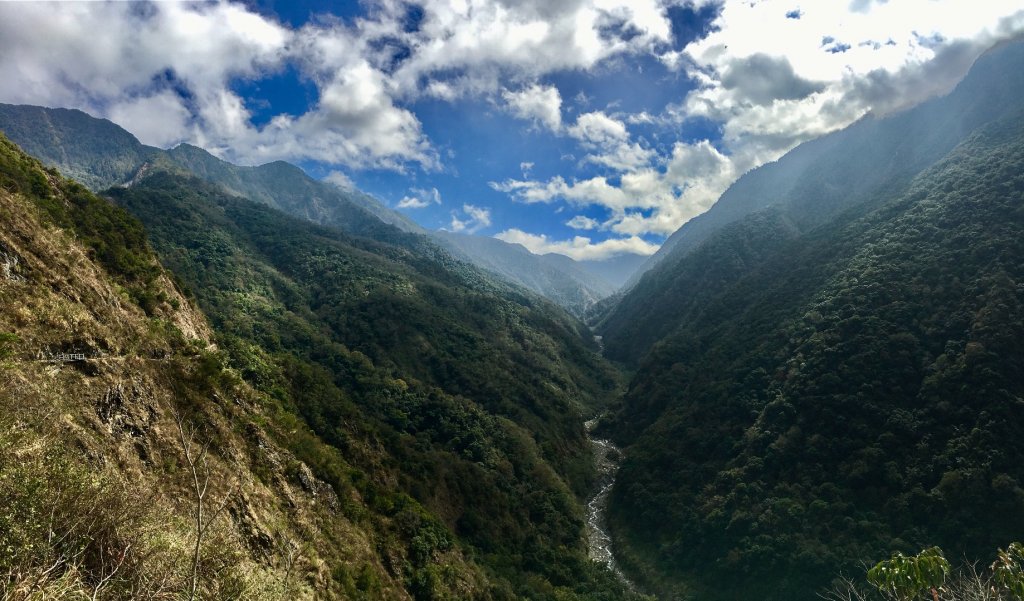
x=768 y=75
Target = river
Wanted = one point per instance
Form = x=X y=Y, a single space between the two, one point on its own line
x=599 y=543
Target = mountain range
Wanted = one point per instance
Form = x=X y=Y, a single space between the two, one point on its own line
x=824 y=368
x=377 y=419
x=100 y=154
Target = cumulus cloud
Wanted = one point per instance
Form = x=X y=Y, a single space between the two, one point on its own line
x=582 y=222
x=540 y=104
x=770 y=77
x=762 y=79
x=608 y=141
x=645 y=200
x=181 y=59
x=340 y=180
x=471 y=220
x=580 y=247
x=598 y=129
x=136 y=115
x=483 y=40
x=771 y=92
x=762 y=73
x=420 y=199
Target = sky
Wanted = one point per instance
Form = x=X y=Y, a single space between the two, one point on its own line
x=592 y=128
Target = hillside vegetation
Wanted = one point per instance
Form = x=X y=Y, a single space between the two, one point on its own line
x=342 y=472
x=96 y=487
x=442 y=385
x=835 y=396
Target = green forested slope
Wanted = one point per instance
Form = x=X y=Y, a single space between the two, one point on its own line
x=434 y=381
x=860 y=391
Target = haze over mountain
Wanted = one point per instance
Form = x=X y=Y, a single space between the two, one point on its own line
x=809 y=186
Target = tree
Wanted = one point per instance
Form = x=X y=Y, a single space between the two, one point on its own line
x=199 y=470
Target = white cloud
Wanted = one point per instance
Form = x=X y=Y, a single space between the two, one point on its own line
x=770 y=82
x=540 y=104
x=472 y=219
x=420 y=199
x=598 y=129
x=580 y=247
x=582 y=222
x=134 y=72
x=182 y=59
x=340 y=179
x=483 y=40
x=608 y=141
x=167 y=70
x=647 y=199
x=169 y=126
x=774 y=81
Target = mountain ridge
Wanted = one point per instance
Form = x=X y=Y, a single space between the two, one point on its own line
x=767 y=185
x=812 y=395
x=823 y=178
x=114 y=157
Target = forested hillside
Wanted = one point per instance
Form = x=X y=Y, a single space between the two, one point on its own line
x=440 y=384
x=832 y=397
x=117 y=413
x=451 y=406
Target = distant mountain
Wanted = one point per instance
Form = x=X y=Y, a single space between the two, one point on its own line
x=836 y=371
x=809 y=186
x=877 y=155
x=616 y=270
x=555 y=277
x=94 y=152
x=102 y=154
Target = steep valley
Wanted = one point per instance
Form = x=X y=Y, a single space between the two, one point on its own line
x=356 y=453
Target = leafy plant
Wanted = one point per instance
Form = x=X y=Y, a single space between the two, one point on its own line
x=1009 y=569
x=904 y=578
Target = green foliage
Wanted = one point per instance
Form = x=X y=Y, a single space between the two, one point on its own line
x=116 y=239
x=852 y=392
x=906 y=577
x=8 y=342
x=456 y=403
x=1009 y=569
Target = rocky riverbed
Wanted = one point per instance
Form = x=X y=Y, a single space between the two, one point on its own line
x=599 y=542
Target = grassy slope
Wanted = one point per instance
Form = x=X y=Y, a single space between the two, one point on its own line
x=92 y=475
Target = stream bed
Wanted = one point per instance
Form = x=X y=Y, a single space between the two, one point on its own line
x=599 y=542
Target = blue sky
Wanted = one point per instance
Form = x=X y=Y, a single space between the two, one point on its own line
x=587 y=127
